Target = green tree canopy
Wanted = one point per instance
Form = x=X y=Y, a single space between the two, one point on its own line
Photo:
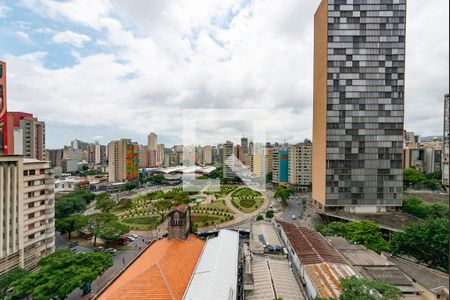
x=412 y=176
x=416 y=207
x=7 y=279
x=112 y=230
x=72 y=203
x=365 y=289
x=60 y=273
x=104 y=202
x=427 y=242
x=97 y=223
x=366 y=233
x=71 y=223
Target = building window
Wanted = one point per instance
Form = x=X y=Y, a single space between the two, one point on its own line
x=31 y=236
x=30 y=216
x=32 y=172
x=30 y=226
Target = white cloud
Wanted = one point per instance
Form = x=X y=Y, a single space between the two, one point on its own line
x=3 y=10
x=24 y=36
x=167 y=55
x=70 y=37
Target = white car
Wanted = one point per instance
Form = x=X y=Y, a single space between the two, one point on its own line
x=134 y=235
x=293 y=217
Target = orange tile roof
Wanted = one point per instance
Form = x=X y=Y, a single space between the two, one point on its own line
x=162 y=272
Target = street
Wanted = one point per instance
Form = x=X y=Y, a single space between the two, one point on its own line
x=294 y=208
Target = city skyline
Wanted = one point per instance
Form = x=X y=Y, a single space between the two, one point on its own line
x=217 y=66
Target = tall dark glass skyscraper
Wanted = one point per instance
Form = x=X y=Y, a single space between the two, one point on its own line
x=359 y=71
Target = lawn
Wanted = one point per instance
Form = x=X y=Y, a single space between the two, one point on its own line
x=142 y=223
x=247 y=205
x=218 y=205
x=246 y=193
x=202 y=220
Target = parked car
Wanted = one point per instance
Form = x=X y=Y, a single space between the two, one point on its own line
x=99 y=249
x=131 y=239
x=134 y=235
x=111 y=251
x=294 y=217
x=75 y=250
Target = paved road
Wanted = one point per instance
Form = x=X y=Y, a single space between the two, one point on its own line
x=294 y=207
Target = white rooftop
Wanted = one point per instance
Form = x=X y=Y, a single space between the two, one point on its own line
x=216 y=274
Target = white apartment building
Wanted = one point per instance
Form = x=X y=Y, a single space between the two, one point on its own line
x=300 y=166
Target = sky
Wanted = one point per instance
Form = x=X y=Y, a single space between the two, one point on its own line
x=107 y=69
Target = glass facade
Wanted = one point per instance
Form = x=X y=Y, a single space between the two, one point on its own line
x=365 y=102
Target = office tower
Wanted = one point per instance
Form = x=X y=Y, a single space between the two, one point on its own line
x=228 y=159
x=268 y=153
x=97 y=154
x=409 y=137
x=27 y=228
x=91 y=154
x=160 y=155
x=425 y=157
x=300 y=166
x=143 y=157
x=3 y=115
x=244 y=145
x=238 y=152
x=359 y=58
x=55 y=157
x=26 y=135
x=152 y=148
x=123 y=160
x=258 y=160
x=207 y=155
x=198 y=155
x=275 y=167
x=445 y=150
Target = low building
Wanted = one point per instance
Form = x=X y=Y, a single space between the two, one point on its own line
x=368 y=264
x=216 y=273
x=435 y=284
x=264 y=239
x=267 y=272
x=318 y=265
x=180 y=265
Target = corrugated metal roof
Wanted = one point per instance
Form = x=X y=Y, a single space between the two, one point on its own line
x=273 y=277
x=326 y=278
x=309 y=245
x=215 y=276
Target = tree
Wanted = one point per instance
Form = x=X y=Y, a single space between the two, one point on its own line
x=283 y=193
x=269 y=177
x=366 y=233
x=71 y=223
x=60 y=273
x=269 y=214
x=366 y=289
x=97 y=222
x=427 y=242
x=259 y=218
x=162 y=207
x=129 y=186
x=7 y=279
x=412 y=176
x=416 y=207
x=112 y=231
x=72 y=203
x=105 y=203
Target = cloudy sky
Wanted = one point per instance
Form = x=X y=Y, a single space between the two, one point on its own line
x=105 y=69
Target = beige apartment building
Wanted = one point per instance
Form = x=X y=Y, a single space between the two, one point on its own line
x=26 y=212
x=300 y=166
x=207 y=155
